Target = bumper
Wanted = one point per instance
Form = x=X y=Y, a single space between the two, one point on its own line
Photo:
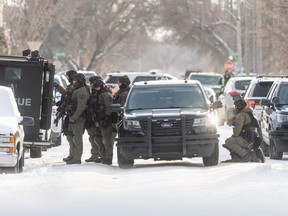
x=168 y=148
x=280 y=139
x=8 y=160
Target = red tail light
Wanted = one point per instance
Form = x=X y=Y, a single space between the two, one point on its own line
x=251 y=104
x=234 y=94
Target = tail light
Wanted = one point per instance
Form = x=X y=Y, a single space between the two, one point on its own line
x=251 y=103
x=234 y=94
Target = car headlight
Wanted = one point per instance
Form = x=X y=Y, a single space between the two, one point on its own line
x=282 y=118
x=131 y=124
x=201 y=121
x=7 y=144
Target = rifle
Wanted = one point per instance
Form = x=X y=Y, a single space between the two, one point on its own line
x=63 y=106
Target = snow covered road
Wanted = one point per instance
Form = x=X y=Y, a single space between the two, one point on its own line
x=50 y=187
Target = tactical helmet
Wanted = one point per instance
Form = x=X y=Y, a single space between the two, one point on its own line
x=70 y=73
x=240 y=104
x=98 y=83
x=80 y=78
x=124 y=79
x=93 y=78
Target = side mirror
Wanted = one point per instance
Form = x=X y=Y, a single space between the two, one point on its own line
x=116 y=108
x=211 y=99
x=216 y=105
x=275 y=101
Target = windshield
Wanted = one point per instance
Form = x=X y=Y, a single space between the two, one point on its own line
x=163 y=97
x=207 y=80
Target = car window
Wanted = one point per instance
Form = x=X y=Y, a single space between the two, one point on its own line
x=242 y=84
x=283 y=94
x=206 y=80
x=163 y=97
x=261 y=89
x=144 y=78
x=112 y=79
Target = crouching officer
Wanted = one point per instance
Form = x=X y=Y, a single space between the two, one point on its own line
x=244 y=143
x=76 y=119
x=104 y=137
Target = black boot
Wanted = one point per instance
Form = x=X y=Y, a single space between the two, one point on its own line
x=67 y=158
x=73 y=161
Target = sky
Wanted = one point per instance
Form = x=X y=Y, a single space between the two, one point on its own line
x=48 y=186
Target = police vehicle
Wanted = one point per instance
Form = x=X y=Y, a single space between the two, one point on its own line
x=31 y=77
x=167 y=121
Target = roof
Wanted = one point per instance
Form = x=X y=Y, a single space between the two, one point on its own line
x=167 y=82
x=205 y=73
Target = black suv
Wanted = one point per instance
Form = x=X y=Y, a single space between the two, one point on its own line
x=274 y=120
x=167 y=120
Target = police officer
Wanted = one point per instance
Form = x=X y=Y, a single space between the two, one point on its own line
x=76 y=109
x=121 y=94
x=241 y=143
x=62 y=106
x=90 y=123
x=104 y=137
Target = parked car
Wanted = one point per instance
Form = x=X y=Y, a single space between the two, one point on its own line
x=234 y=87
x=258 y=89
x=274 y=120
x=208 y=79
x=111 y=79
x=167 y=120
x=11 y=132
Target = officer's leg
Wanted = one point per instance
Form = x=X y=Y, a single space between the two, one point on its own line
x=78 y=138
x=94 y=147
x=237 y=145
x=98 y=139
x=71 y=147
x=108 y=142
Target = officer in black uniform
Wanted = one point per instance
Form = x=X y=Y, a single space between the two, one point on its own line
x=62 y=106
x=104 y=137
x=76 y=109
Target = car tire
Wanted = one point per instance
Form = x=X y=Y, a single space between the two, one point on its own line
x=274 y=154
x=124 y=163
x=213 y=159
x=36 y=152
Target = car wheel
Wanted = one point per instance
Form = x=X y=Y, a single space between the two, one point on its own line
x=36 y=152
x=274 y=154
x=213 y=159
x=124 y=163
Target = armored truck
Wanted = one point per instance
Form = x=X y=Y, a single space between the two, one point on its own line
x=31 y=77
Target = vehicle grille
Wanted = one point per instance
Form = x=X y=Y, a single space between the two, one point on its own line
x=167 y=127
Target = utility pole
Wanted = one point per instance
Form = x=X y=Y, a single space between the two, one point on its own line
x=239 y=42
